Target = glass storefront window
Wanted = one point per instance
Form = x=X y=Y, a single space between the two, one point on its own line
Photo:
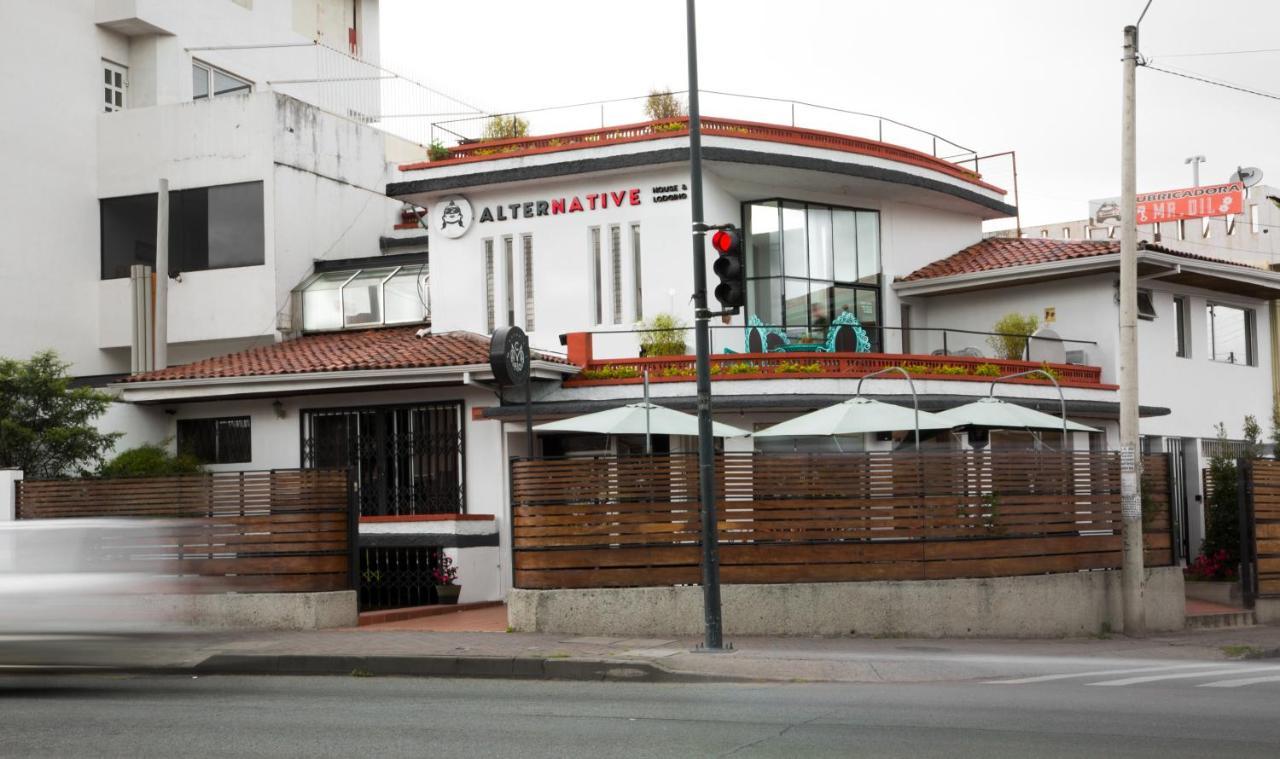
x=809 y=263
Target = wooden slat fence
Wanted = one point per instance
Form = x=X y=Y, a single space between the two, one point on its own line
x=276 y=531
x=634 y=521
x=1264 y=496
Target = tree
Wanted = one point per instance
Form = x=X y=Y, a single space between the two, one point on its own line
x=1011 y=340
x=1221 y=521
x=663 y=336
x=504 y=128
x=661 y=104
x=46 y=426
x=1275 y=430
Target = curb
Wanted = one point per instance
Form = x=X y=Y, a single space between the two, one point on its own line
x=500 y=667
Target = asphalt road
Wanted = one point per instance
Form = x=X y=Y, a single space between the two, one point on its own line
x=167 y=716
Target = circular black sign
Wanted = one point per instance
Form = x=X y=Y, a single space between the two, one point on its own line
x=509 y=356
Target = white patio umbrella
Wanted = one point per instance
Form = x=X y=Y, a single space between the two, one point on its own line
x=853 y=416
x=638 y=419
x=993 y=412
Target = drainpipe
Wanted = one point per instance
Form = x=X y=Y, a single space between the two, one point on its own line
x=160 y=351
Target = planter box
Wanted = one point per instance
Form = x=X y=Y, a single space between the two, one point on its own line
x=1218 y=592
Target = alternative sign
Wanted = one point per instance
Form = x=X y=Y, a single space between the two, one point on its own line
x=1173 y=205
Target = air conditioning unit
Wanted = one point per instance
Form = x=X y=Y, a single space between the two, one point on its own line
x=1077 y=357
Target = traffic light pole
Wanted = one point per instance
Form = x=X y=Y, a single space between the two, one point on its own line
x=714 y=638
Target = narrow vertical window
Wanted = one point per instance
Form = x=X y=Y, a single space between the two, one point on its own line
x=1180 y=315
x=509 y=279
x=1066 y=233
x=593 y=264
x=1044 y=233
x=1231 y=225
x=636 y=278
x=1182 y=229
x=615 y=271
x=488 y=284
x=114 y=81
x=526 y=246
x=1253 y=219
x=1155 y=233
x=1204 y=228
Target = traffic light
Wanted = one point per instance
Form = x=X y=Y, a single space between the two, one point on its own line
x=731 y=292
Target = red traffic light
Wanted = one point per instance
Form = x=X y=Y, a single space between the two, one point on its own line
x=725 y=241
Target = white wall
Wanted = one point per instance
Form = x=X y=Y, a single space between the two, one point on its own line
x=1200 y=392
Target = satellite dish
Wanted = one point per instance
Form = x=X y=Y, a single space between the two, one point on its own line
x=1049 y=348
x=1247 y=175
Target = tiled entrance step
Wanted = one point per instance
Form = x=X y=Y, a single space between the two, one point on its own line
x=1206 y=615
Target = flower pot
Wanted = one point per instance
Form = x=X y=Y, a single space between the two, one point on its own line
x=447 y=594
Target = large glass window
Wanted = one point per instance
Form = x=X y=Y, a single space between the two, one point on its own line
x=372 y=297
x=809 y=263
x=207 y=81
x=1231 y=334
x=209 y=228
x=216 y=441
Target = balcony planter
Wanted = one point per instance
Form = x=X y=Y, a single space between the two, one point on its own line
x=445 y=575
x=448 y=594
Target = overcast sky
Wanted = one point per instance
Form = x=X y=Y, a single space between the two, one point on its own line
x=1041 y=78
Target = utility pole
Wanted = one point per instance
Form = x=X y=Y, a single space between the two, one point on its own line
x=714 y=639
x=1195 y=162
x=1132 y=579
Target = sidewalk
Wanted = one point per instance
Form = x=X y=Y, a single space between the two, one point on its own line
x=396 y=648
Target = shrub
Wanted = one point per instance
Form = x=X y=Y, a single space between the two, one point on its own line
x=1222 y=517
x=679 y=371
x=610 y=371
x=986 y=370
x=737 y=367
x=149 y=460
x=504 y=128
x=1013 y=330
x=436 y=151
x=795 y=367
x=665 y=336
x=661 y=104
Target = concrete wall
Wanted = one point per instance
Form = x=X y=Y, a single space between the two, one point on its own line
x=259 y=611
x=1041 y=606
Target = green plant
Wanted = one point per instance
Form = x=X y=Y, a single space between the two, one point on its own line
x=1222 y=527
x=609 y=371
x=678 y=371
x=1044 y=367
x=950 y=369
x=991 y=514
x=1012 y=330
x=663 y=336
x=1252 y=438
x=436 y=151
x=46 y=426
x=986 y=370
x=736 y=367
x=1241 y=652
x=914 y=368
x=150 y=460
x=796 y=367
x=504 y=128
x=661 y=104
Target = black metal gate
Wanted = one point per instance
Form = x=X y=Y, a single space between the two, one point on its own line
x=405 y=460
x=1178 y=498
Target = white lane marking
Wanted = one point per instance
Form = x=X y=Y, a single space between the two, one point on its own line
x=1185 y=675
x=1241 y=682
x=1097 y=673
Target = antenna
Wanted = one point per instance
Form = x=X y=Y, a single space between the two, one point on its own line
x=1247 y=175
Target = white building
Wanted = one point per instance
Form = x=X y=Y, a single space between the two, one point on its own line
x=577 y=237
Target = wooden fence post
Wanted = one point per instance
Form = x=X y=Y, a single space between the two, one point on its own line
x=1248 y=550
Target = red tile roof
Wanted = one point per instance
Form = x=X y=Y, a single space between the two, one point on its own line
x=996 y=253
x=388 y=348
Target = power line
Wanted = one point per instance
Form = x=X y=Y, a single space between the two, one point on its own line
x=1218 y=52
x=1214 y=82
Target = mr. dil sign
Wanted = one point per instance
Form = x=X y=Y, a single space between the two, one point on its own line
x=1174 y=205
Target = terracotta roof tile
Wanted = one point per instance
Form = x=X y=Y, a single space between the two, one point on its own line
x=996 y=253
x=388 y=348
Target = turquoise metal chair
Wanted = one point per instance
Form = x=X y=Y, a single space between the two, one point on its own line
x=846 y=335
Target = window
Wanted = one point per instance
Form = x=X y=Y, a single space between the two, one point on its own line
x=1146 y=305
x=509 y=280
x=636 y=279
x=1111 y=232
x=1180 y=316
x=115 y=78
x=207 y=81
x=1231 y=334
x=1231 y=225
x=1044 y=233
x=1155 y=233
x=1066 y=233
x=593 y=264
x=808 y=263
x=209 y=228
x=526 y=247
x=488 y=285
x=359 y=298
x=1088 y=233
x=1204 y=227
x=1253 y=218
x=216 y=441
x=615 y=270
